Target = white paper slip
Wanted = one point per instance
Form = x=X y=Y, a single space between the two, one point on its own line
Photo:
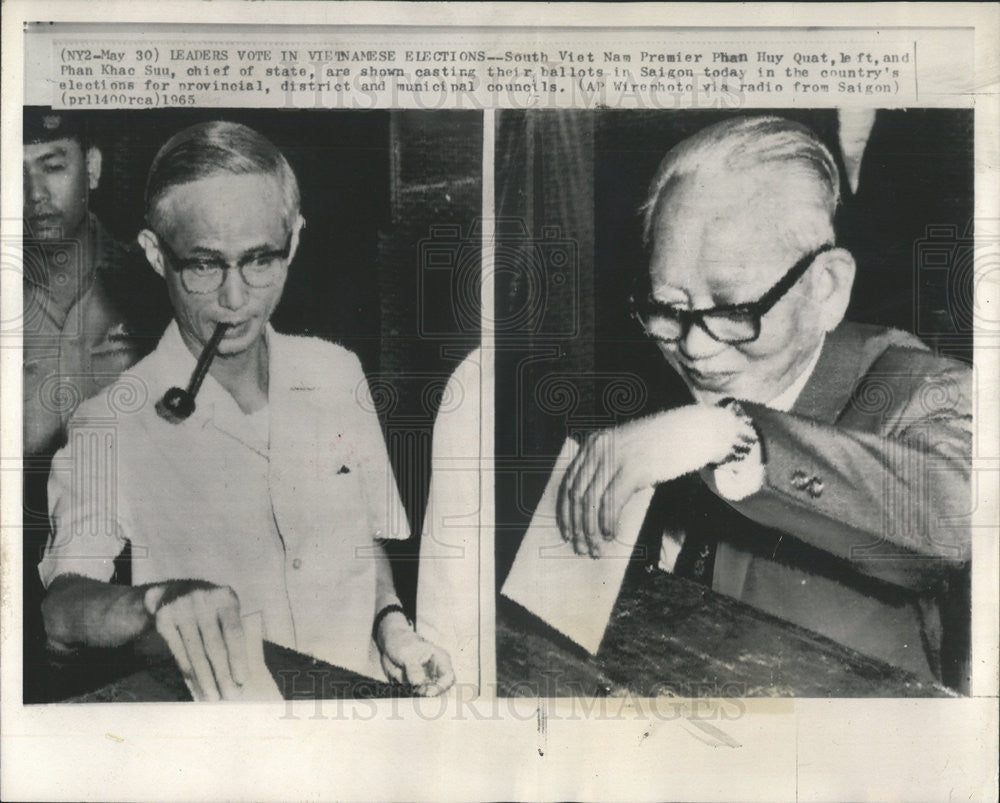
x=260 y=686
x=572 y=593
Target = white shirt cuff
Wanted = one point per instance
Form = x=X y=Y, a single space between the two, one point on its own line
x=670 y=548
x=737 y=480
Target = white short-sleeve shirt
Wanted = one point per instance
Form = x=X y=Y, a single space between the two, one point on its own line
x=281 y=505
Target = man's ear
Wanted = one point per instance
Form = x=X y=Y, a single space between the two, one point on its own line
x=94 y=161
x=151 y=248
x=297 y=226
x=832 y=286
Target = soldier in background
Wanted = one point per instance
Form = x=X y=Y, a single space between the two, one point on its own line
x=82 y=321
x=91 y=309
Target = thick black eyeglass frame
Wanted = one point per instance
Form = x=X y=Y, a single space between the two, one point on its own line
x=643 y=305
x=179 y=265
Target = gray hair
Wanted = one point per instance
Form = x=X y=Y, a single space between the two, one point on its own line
x=751 y=143
x=210 y=149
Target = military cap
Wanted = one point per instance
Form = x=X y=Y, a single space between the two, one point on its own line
x=44 y=124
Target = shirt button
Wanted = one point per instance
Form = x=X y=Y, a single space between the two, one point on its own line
x=297 y=564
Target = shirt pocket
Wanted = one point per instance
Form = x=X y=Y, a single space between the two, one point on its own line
x=328 y=499
x=345 y=496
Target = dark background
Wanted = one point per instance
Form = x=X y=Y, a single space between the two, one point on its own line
x=379 y=189
x=569 y=186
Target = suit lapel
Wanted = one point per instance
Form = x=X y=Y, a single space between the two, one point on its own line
x=822 y=399
x=826 y=393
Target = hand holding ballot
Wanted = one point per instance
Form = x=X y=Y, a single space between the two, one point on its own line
x=562 y=587
x=218 y=652
x=613 y=464
x=200 y=622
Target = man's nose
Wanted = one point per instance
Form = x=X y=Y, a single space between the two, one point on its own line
x=233 y=293
x=35 y=189
x=698 y=344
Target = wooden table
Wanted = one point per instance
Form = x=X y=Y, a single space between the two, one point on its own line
x=298 y=677
x=670 y=636
x=667 y=636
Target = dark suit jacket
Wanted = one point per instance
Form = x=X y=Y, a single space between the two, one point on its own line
x=863 y=517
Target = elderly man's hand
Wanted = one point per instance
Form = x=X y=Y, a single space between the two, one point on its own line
x=200 y=623
x=408 y=658
x=614 y=464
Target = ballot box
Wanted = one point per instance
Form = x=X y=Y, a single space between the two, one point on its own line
x=669 y=636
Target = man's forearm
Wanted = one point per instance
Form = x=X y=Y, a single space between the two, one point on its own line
x=385 y=587
x=838 y=489
x=81 y=611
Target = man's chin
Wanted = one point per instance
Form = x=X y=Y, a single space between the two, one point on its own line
x=711 y=387
x=233 y=349
x=44 y=233
x=717 y=391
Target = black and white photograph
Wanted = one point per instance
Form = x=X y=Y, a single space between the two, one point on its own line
x=734 y=441
x=499 y=401
x=235 y=362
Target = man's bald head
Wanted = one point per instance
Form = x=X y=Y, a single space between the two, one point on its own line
x=772 y=165
x=217 y=148
x=739 y=221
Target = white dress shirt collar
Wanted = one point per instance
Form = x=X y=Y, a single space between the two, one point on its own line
x=785 y=400
x=213 y=404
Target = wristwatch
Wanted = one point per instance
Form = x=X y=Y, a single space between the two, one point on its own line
x=384 y=613
x=747 y=437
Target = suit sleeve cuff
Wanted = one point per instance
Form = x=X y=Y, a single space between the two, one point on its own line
x=742 y=472
x=736 y=481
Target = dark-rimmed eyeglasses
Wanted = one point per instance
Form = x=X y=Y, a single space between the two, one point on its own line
x=200 y=275
x=732 y=324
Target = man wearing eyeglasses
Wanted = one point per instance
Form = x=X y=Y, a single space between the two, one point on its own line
x=825 y=464
x=270 y=498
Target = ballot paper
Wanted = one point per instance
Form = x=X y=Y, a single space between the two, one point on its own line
x=260 y=686
x=572 y=593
